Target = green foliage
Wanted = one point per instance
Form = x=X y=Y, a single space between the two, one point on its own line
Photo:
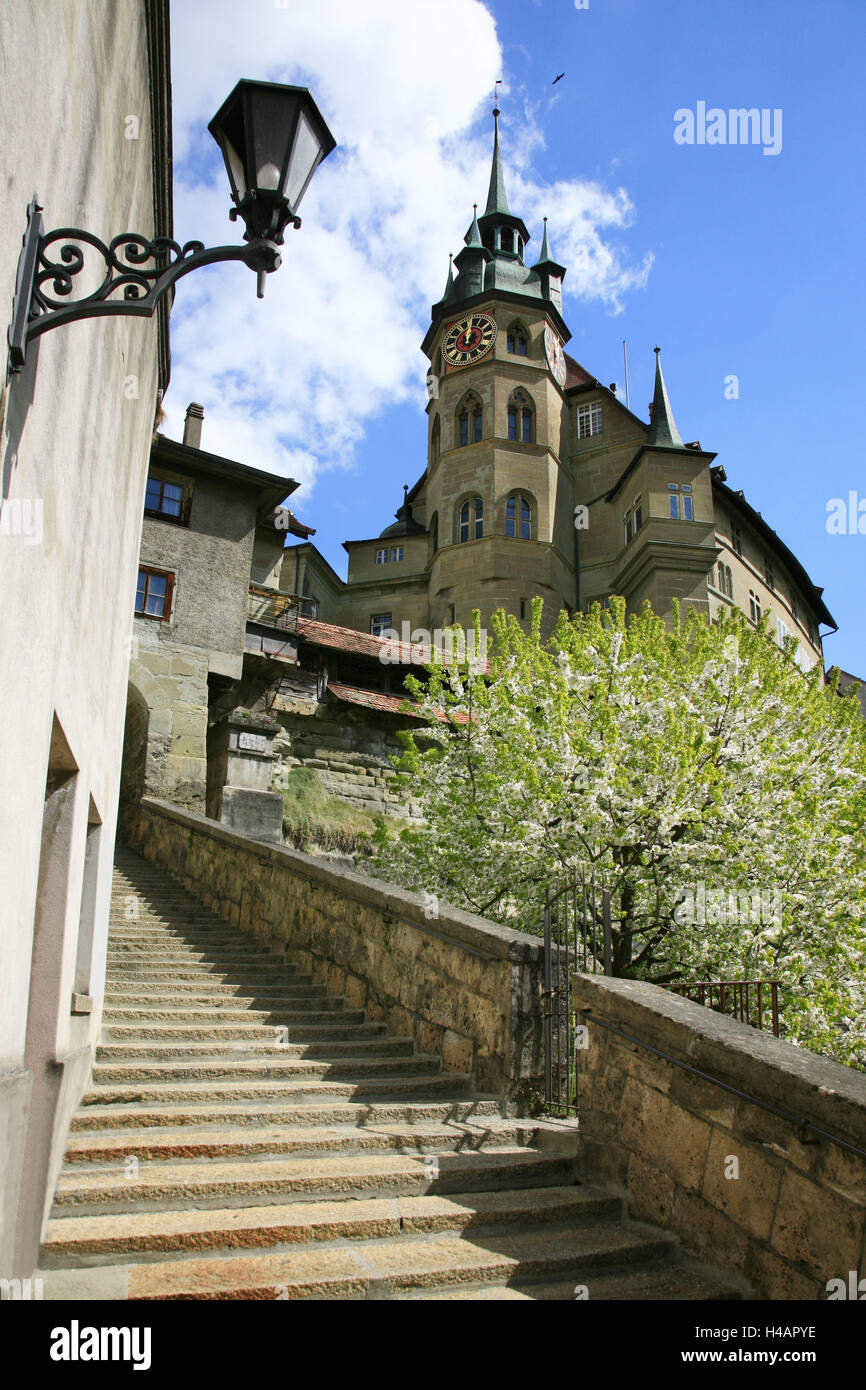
x=314 y=816
x=682 y=760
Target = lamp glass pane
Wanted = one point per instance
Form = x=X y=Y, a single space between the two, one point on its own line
x=305 y=157
x=236 y=168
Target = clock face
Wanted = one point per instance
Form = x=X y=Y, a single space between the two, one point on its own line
x=555 y=355
x=469 y=339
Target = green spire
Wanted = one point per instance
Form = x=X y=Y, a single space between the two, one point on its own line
x=663 y=432
x=496 y=199
x=473 y=236
x=545 y=247
x=449 y=283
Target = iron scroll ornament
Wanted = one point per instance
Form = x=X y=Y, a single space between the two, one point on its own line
x=139 y=271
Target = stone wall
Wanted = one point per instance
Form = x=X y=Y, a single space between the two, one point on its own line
x=350 y=748
x=795 y=1216
x=462 y=987
x=172 y=681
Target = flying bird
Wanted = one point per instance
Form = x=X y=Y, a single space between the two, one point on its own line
x=557 y=79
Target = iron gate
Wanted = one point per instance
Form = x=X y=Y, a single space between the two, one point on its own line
x=576 y=937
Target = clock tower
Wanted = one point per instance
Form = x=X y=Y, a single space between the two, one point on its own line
x=498 y=493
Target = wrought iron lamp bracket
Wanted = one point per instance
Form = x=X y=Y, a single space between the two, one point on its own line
x=138 y=274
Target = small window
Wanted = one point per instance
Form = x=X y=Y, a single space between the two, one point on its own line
x=517 y=340
x=397 y=554
x=380 y=624
x=680 y=501
x=754 y=607
x=382 y=557
x=768 y=572
x=518 y=518
x=782 y=631
x=589 y=420
x=434 y=531
x=633 y=519
x=153 y=595
x=725 y=580
x=470 y=422
x=520 y=417
x=736 y=539
x=164 y=499
x=471 y=519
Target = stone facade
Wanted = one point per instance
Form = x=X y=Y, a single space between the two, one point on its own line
x=744 y=1188
x=599 y=482
x=464 y=988
x=84 y=110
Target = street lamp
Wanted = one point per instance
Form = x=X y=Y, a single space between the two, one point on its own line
x=272 y=138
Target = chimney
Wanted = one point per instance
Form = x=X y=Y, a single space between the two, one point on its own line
x=192 y=425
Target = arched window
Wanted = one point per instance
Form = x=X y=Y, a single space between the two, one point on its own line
x=520 y=415
x=435 y=440
x=518 y=517
x=469 y=420
x=470 y=520
x=434 y=531
x=517 y=340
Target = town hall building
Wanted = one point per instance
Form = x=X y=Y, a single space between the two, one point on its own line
x=539 y=481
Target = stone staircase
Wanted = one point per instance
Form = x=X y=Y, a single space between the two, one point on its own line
x=209 y=1162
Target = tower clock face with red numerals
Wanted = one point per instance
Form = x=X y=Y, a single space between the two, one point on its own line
x=469 y=339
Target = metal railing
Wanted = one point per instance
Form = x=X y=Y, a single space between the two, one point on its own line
x=577 y=936
x=750 y=1001
x=278 y=610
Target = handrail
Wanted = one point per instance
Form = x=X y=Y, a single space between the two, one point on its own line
x=800 y=1121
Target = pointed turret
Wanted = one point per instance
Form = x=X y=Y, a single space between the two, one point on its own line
x=503 y=234
x=449 y=283
x=471 y=260
x=496 y=199
x=663 y=432
x=473 y=236
x=550 y=273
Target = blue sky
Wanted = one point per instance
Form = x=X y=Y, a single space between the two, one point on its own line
x=735 y=262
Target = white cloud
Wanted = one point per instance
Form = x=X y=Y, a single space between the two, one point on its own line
x=290 y=382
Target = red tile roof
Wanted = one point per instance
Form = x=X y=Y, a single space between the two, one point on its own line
x=348 y=639
x=576 y=375
x=376 y=699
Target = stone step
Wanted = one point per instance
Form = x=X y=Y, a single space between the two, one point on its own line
x=178 y=1093
x=198 y=1141
x=345 y=1175
x=274 y=1064
x=73 y=1239
x=201 y=991
x=227 y=1050
x=312 y=1112
x=135 y=977
x=659 y=1284
x=388 y=1268
x=184 y=1033
x=156 y=956
x=238 y=1009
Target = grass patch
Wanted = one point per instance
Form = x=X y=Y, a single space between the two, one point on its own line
x=314 y=816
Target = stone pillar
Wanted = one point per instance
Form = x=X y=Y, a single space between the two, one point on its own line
x=240 y=762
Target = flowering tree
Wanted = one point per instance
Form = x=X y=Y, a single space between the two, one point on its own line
x=721 y=792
